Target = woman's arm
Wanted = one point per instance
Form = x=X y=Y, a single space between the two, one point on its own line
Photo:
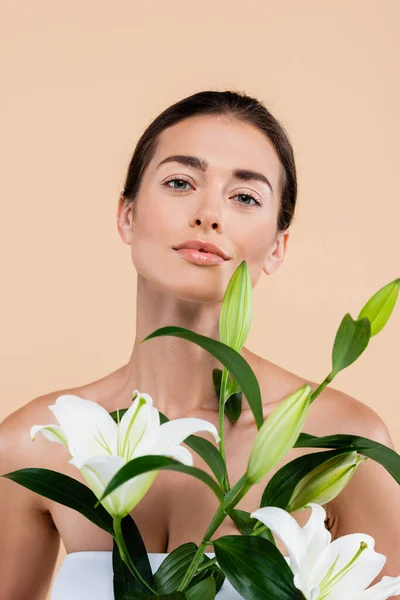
x=370 y=503
x=29 y=542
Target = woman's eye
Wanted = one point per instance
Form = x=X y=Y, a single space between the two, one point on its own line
x=179 y=187
x=249 y=196
x=182 y=183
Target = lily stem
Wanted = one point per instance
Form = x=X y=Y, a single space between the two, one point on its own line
x=259 y=530
x=322 y=386
x=224 y=380
x=219 y=517
x=124 y=553
x=208 y=564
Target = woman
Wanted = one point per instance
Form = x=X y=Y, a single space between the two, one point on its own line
x=215 y=168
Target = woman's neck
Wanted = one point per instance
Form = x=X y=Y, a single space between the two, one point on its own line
x=175 y=372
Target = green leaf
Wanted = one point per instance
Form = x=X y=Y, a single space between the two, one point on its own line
x=245 y=524
x=64 y=490
x=144 y=464
x=173 y=568
x=233 y=407
x=124 y=581
x=351 y=340
x=210 y=454
x=380 y=306
x=233 y=404
x=255 y=568
x=231 y=359
x=204 y=590
x=387 y=457
x=217 y=378
x=213 y=570
x=237 y=308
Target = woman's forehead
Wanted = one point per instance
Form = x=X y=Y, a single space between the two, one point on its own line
x=222 y=142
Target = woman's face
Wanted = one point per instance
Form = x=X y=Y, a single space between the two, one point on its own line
x=179 y=202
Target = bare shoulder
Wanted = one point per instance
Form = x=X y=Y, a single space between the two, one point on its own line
x=333 y=411
x=16 y=448
x=346 y=414
x=17 y=451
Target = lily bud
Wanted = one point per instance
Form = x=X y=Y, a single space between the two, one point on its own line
x=237 y=309
x=326 y=481
x=278 y=434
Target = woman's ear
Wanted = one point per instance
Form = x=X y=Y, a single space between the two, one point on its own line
x=276 y=253
x=125 y=219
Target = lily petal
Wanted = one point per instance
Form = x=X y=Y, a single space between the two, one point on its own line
x=387 y=586
x=97 y=472
x=133 y=424
x=364 y=569
x=133 y=491
x=173 y=433
x=146 y=443
x=288 y=530
x=54 y=433
x=315 y=537
x=182 y=454
x=88 y=427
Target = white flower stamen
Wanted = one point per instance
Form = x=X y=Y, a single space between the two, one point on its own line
x=327 y=583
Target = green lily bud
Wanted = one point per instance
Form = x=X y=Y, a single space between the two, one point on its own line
x=326 y=481
x=278 y=434
x=236 y=310
x=380 y=306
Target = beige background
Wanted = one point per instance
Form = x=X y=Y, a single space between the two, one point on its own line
x=81 y=81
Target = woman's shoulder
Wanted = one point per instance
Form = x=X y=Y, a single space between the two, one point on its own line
x=333 y=411
x=15 y=428
x=15 y=439
x=36 y=409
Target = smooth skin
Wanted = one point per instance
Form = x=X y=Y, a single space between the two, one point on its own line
x=209 y=205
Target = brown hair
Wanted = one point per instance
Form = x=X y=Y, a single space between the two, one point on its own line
x=232 y=104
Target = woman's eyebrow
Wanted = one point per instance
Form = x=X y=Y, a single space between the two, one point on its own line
x=200 y=163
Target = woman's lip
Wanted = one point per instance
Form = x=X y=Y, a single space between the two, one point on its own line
x=200 y=258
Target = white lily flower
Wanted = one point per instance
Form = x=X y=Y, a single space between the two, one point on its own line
x=100 y=447
x=325 y=570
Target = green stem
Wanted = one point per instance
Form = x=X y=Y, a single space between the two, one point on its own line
x=215 y=523
x=224 y=380
x=221 y=432
x=218 y=518
x=258 y=530
x=208 y=564
x=233 y=491
x=237 y=498
x=322 y=386
x=124 y=553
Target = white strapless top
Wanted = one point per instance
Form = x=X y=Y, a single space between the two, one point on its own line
x=89 y=576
